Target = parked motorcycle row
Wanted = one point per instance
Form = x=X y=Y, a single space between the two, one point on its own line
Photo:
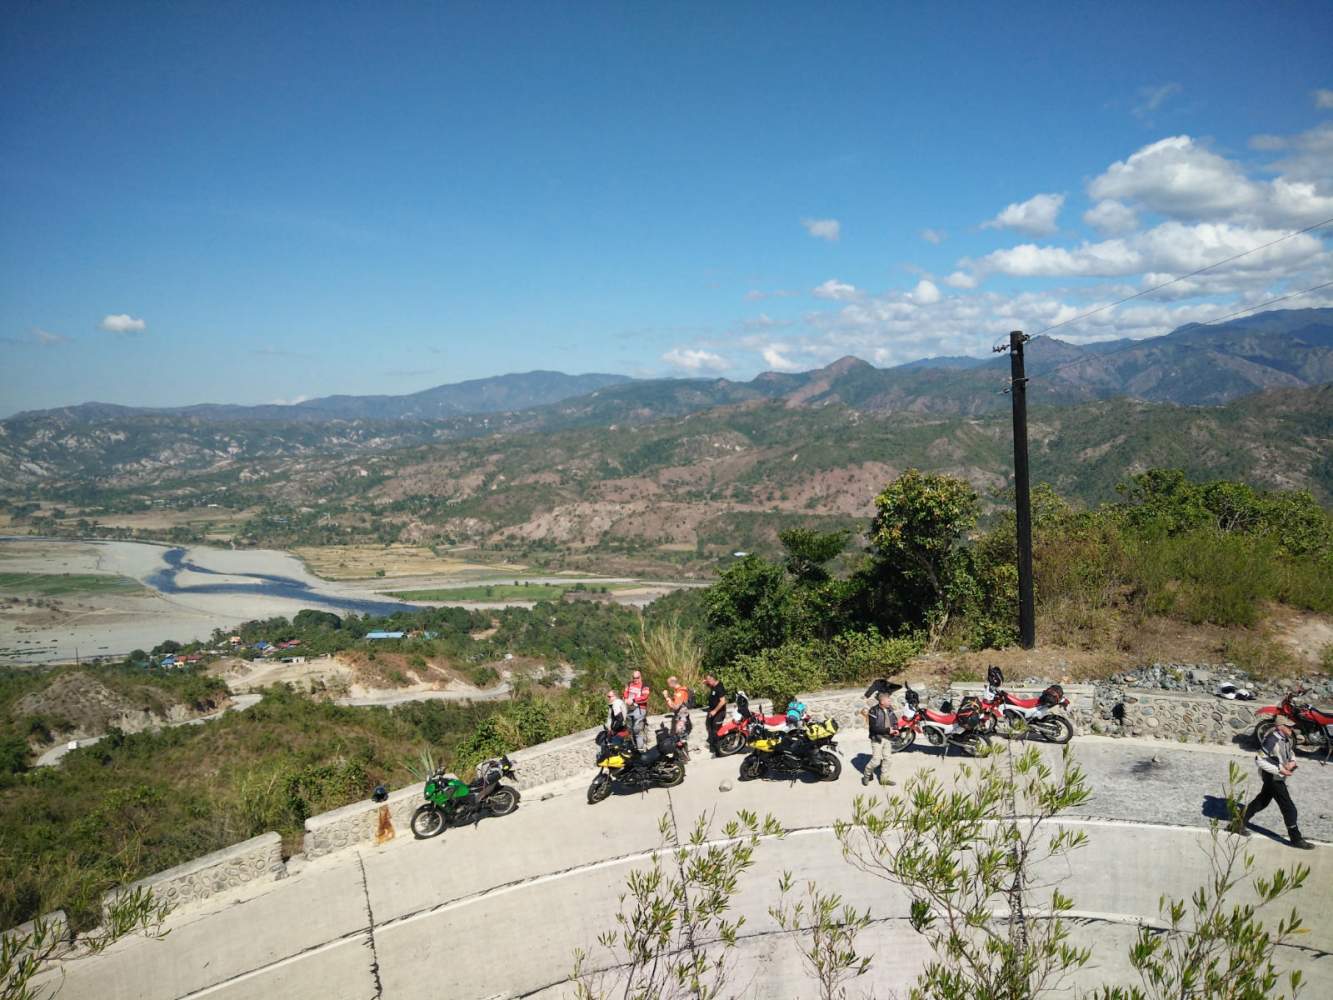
x=793 y=744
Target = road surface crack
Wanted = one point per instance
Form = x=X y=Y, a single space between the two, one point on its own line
x=370 y=930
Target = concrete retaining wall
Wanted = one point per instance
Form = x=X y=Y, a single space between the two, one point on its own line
x=254 y=860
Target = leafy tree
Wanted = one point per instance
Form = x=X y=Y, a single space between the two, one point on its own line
x=809 y=552
x=969 y=857
x=310 y=618
x=673 y=935
x=829 y=955
x=747 y=610
x=922 y=572
x=1213 y=948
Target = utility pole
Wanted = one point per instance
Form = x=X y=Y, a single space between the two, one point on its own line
x=1018 y=389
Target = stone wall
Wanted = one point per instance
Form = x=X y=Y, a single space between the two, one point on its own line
x=253 y=860
x=1187 y=718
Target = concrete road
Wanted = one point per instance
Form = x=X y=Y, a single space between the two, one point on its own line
x=498 y=909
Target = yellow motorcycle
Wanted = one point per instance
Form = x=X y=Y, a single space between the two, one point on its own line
x=810 y=749
x=624 y=764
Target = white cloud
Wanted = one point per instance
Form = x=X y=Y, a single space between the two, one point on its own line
x=1323 y=99
x=1172 y=246
x=926 y=293
x=122 y=323
x=1309 y=157
x=936 y=236
x=48 y=339
x=1180 y=179
x=776 y=360
x=961 y=279
x=1152 y=98
x=758 y=294
x=692 y=360
x=835 y=289
x=288 y=402
x=1111 y=217
x=824 y=229
x=1037 y=215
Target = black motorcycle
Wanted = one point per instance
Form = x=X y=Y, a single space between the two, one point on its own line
x=622 y=763
x=452 y=802
x=809 y=749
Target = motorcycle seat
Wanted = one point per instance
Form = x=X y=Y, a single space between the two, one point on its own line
x=942 y=718
x=1323 y=716
x=650 y=757
x=1022 y=702
x=773 y=721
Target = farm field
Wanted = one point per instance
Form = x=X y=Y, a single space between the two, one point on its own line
x=54 y=584
x=361 y=562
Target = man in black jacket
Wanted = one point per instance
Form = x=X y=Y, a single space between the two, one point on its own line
x=882 y=724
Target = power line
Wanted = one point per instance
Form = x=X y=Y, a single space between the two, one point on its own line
x=1211 y=322
x=1192 y=274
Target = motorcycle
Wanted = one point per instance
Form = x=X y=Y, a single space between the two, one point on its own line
x=450 y=801
x=962 y=729
x=811 y=749
x=1314 y=726
x=740 y=724
x=623 y=764
x=1037 y=714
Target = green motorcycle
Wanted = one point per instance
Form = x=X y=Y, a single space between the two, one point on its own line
x=450 y=801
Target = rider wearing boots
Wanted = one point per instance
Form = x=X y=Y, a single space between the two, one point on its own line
x=678 y=704
x=882 y=724
x=1276 y=764
x=636 y=698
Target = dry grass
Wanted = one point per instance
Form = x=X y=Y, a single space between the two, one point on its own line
x=362 y=562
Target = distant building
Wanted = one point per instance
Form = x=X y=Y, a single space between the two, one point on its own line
x=385 y=635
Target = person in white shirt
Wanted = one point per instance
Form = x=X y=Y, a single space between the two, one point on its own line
x=1276 y=760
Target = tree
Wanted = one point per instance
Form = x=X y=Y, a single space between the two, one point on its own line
x=746 y=610
x=673 y=936
x=1212 y=948
x=921 y=522
x=969 y=857
x=809 y=552
x=28 y=952
x=829 y=955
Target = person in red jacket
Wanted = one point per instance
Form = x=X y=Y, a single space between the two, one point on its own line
x=636 y=697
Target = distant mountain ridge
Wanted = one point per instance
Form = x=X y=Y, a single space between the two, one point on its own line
x=1195 y=365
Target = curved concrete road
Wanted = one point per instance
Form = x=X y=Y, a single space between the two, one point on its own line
x=404 y=920
x=239 y=703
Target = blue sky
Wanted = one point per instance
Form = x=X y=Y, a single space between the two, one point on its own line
x=258 y=202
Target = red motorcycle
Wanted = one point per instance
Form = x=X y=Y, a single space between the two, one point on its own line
x=735 y=731
x=1314 y=726
x=1037 y=714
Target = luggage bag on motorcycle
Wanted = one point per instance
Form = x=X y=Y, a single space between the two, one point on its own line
x=969 y=712
x=1052 y=696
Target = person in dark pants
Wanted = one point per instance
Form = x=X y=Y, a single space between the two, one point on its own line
x=1276 y=764
x=882 y=725
x=716 y=710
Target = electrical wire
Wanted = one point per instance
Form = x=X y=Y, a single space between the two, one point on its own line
x=1183 y=277
x=1220 y=319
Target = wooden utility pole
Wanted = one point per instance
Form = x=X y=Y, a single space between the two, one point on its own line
x=1018 y=389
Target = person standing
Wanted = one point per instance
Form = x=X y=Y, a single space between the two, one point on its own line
x=1276 y=764
x=636 y=698
x=617 y=714
x=678 y=704
x=882 y=724
x=715 y=712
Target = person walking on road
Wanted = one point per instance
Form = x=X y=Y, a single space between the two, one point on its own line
x=1276 y=764
x=715 y=712
x=882 y=724
x=636 y=698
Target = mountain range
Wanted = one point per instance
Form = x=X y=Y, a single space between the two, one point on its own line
x=1197 y=365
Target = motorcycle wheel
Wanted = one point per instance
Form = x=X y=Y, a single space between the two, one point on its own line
x=427 y=822
x=599 y=789
x=974 y=744
x=1262 y=729
x=751 y=767
x=1054 y=729
x=502 y=801
x=1013 y=722
x=670 y=775
x=829 y=765
x=732 y=743
x=901 y=740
